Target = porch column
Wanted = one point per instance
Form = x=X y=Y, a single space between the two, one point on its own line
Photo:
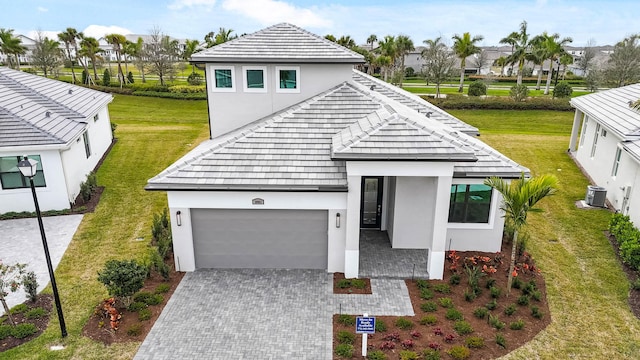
x=577 y=120
x=435 y=261
x=352 y=245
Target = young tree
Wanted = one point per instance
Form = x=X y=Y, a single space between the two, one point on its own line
x=439 y=62
x=10 y=280
x=518 y=199
x=46 y=54
x=585 y=63
x=520 y=44
x=69 y=38
x=623 y=67
x=480 y=60
x=123 y=278
x=464 y=46
x=162 y=52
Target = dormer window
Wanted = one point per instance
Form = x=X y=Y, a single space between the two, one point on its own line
x=224 y=79
x=255 y=78
x=288 y=79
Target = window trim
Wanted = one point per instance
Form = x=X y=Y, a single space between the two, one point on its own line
x=475 y=225
x=616 y=162
x=214 y=88
x=87 y=144
x=595 y=141
x=277 y=82
x=245 y=79
x=583 y=135
x=25 y=182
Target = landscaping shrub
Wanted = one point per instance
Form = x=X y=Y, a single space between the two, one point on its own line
x=490 y=283
x=501 y=341
x=130 y=77
x=562 y=90
x=162 y=288
x=187 y=89
x=19 y=309
x=347 y=320
x=536 y=295
x=21 y=331
x=376 y=355
x=404 y=324
x=462 y=327
x=106 y=78
x=499 y=103
x=469 y=295
x=134 y=330
x=495 y=322
x=517 y=325
x=523 y=300
x=407 y=344
x=492 y=305
x=442 y=288
x=635 y=285
x=5 y=331
x=123 y=278
x=194 y=79
x=408 y=355
x=381 y=326
x=517 y=283
x=495 y=292
x=453 y=314
x=431 y=354
x=394 y=336
x=477 y=88
x=35 y=313
x=426 y=294
x=536 y=313
x=429 y=306
x=144 y=314
x=519 y=92
x=344 y=350
x=446 y=302
x=474 y=342
x=346 y=337
x=628 y=238
x=481 y=312
x=459 y=352
x=358 y=283
x=343 y=283
x=454 y=279
x=510 y=310
x=170 y=95
x=30 y=285
x=137 y=306
x=428 y=320
x=422 y=284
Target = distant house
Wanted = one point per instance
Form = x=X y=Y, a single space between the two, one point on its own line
x=605 y=141
x=66 y=128
x=306 y=151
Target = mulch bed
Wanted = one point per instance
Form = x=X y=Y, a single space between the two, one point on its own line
x=44 y=301
x=481 y=327
x=350 y=290
x=97 y=328
x=634 y=295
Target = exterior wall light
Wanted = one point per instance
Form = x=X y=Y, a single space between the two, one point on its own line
x=338 y=220
x=179 y=218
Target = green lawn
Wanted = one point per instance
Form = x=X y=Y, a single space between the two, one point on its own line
x=152 y=133
x=587 y=291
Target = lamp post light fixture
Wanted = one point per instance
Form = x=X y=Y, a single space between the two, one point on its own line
x=28 y=168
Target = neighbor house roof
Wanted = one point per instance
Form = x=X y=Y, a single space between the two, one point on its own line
x=281 y=43
x=38 y=111
x=304 y=147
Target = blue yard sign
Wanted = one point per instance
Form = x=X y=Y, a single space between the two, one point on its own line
x=365 y=325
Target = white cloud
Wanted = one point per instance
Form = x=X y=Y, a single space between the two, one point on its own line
x=269 y=12
x=179 y=4
x=42 y=9
x=98 y=31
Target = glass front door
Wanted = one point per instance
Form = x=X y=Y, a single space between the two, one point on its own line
x=371 y=206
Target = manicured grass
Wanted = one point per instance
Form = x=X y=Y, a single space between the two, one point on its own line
x=152 y=133
x=518 y=121
x=587 y=290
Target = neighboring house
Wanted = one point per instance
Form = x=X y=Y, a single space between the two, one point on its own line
x=305 y=152
x=66 y=128
x=605 y=141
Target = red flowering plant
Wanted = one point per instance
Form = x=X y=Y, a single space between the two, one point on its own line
x=453 y=258
x=407 y=344
x=526 y=265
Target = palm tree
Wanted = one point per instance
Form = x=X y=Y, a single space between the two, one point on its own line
x=11 y=45
x=371 y=40
x=346 y=41
x=137 y=51
x=90 y=48
x=555 y=48
x=501 y=61
x=565 y=60
x=464 y=46
x=117 y=42
x=537 y=56
x=518 y=199
x=387 y=47
x=384 y=62
x=404 y=45
x=190 y=47
x=520 y=44
x=69 y=38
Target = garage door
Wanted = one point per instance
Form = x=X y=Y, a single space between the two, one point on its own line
x=278 y=239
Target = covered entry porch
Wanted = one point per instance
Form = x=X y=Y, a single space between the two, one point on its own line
x=379 y=260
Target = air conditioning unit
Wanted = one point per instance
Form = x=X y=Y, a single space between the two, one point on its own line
x=596 y=196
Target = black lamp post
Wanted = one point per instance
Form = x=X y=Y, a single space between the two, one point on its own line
x=28 y=169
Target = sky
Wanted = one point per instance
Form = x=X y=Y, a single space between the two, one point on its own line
x=604 y=22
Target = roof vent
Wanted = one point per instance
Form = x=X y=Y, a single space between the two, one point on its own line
x=47 y=114
x=428 y=114
x=373 y=87
x=70 y=91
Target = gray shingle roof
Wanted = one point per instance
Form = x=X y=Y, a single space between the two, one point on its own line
x=38 y=111
x=281 y=43
x=292 y=150
x=413 y=101
x=611 y=108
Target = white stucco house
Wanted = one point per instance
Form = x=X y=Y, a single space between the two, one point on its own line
x=605 y=141
x=305 y=152
x=66 y=128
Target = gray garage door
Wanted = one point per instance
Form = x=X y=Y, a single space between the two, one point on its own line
x=279 y=239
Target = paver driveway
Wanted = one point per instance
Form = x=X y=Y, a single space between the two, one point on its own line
x=245 y=314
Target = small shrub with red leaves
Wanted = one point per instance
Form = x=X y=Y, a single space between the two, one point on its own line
x=438 y=331
x=449 y=338
x=415 y=334
x=387 y=345
x=407 y=344
x=435 y=346
x=394 y=336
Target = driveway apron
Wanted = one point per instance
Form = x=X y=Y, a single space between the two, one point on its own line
x=245 y=314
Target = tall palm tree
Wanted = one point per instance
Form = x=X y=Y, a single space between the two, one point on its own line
x=90 y=48
x=555 y=48
x=520 y=44
x=384 y=62
x=537 y=56
x=566 y=59
x=502 y=62
x=464 y=46
x=387 y=47
x=518 y=199
x=371 y=40
x=11 y=45
x=69 y=38
x=346 y=41
x=190 y=47
x=117 y=42
x=404 y=45
x=137 y=51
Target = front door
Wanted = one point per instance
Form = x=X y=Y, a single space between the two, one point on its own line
x=371 y=205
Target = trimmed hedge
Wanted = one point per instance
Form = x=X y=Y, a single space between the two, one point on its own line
x=628 y=238
x=172 y=95
x=499 y=103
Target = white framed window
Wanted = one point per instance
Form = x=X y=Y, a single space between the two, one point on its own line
x=596 y=135
x=254 y=78
x=604 y=133
x=288 y=79
x=224 y=79
x=616 y=162
x=583 y=134
x=11 y=177
x=87 y=145
x=96 y=117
